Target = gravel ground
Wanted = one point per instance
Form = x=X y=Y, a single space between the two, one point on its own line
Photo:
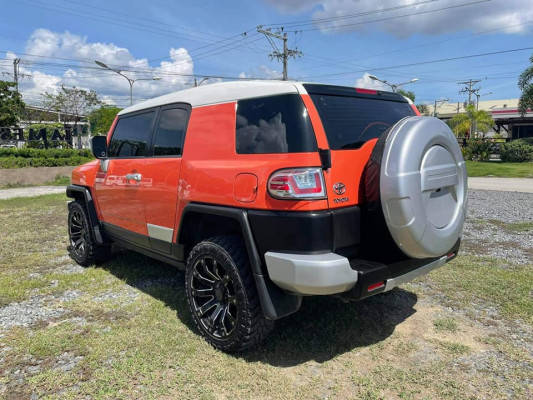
x=487 y=230
x=30 y=191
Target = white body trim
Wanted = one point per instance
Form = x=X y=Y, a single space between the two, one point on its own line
x=160 y=232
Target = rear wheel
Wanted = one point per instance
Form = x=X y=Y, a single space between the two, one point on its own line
x=222 y=296
x=82 y=247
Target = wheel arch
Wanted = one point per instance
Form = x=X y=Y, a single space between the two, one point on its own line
x=83 y=193
x=201 y=221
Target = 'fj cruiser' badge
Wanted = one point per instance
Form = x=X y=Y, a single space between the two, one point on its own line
x=339 y=188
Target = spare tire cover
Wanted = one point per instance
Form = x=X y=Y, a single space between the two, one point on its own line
x=423 y=186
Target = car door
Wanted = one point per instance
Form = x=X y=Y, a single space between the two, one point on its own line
x=119 y=188
x=161 y=175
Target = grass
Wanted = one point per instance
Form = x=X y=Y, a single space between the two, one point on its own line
x=499 y=169
x=445 y=325
x=128 y=328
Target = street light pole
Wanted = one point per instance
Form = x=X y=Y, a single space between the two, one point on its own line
x=394 y=86
x=442 y=101
x=131 y=81
x=478 y=96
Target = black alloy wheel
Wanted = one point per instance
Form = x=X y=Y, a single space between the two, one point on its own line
x=222 y=295
x=77 y=230
x=82 y=247
x=214 y=300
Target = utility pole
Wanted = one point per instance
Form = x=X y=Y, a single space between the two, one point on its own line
x=469 y=88
x=287 y=53
x=16 y=73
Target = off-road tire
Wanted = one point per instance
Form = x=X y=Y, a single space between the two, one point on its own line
x=82 y=247
x=232 y=291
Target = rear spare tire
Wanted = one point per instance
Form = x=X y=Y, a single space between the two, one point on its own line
x=417 y=178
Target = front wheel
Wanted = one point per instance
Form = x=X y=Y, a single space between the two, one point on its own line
x=222 y=296
x=82 y=247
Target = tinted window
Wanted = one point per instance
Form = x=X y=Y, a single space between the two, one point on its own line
x=131 y=136
x=170 y=132
x=349 y=122
x=277 y=124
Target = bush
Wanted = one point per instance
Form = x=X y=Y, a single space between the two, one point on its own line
x=21 y=158
x=516 y=151
x=19 y=162
x=478 y=150
x=42 y=153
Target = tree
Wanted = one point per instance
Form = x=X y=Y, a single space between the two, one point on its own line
x=11 y=104
x=423 y=108
x=408 y=94
x=73 y=103
x=472 y=121
x=102 y=118
x=525 y=83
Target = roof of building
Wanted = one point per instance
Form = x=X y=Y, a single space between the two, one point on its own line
x=220 y=93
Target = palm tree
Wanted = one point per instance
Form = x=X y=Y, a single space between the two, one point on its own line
x=471 y=121
x=525 y=83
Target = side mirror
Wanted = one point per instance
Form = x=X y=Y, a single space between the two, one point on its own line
x=99 y=146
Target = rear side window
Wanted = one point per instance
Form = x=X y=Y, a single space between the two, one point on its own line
x=275 y=124
x=131 y=136
x=350 y=122
x=170 y=132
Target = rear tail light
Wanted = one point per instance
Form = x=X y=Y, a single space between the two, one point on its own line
x=297 y=183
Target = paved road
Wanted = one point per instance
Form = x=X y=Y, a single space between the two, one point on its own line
x=506 y=184
x=30 y=191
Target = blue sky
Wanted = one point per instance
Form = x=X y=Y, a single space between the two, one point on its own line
x=342 y=41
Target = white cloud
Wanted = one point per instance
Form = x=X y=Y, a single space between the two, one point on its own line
x=109 y=85
x=262 y=72
x=478 y=17
x=366 y=83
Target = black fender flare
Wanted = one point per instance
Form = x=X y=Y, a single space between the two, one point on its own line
x=82 y=192
x=275 y=302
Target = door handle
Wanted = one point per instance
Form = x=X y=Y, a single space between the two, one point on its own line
x=135 y=177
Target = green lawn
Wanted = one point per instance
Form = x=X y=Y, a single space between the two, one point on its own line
x=124 y=328
x=500 y=169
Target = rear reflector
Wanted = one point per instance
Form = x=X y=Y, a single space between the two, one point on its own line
x=366 y=91
x=375 y=286
x=450 y=254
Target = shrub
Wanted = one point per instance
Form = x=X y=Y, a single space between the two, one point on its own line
x=516 y=151
x=478 y=150
x=42 y=153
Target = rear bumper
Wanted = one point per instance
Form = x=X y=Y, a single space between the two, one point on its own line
x=330 y=273
x=309 y=274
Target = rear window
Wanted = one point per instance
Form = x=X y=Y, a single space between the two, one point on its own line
x=350 y=121
x=275 y=124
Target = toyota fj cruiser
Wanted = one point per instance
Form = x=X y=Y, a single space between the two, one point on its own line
x=265 y=192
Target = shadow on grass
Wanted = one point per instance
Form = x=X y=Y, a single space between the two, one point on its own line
x=323 y=328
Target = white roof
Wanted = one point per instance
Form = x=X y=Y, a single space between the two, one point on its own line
x=220 y=93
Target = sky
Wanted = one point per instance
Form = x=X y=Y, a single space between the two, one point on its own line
x=166 y=44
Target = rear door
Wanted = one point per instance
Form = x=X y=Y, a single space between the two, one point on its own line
x=352 y=120
x=119 y=189
x=161 y=175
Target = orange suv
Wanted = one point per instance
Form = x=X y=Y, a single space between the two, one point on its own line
x=265 y=192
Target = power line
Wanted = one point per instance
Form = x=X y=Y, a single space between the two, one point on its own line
x=425 y=62
x=395 y=17
x=348 y=16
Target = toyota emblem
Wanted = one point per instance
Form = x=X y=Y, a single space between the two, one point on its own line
x=339 y=188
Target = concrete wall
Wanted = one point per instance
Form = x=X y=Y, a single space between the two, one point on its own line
x=32 y=176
